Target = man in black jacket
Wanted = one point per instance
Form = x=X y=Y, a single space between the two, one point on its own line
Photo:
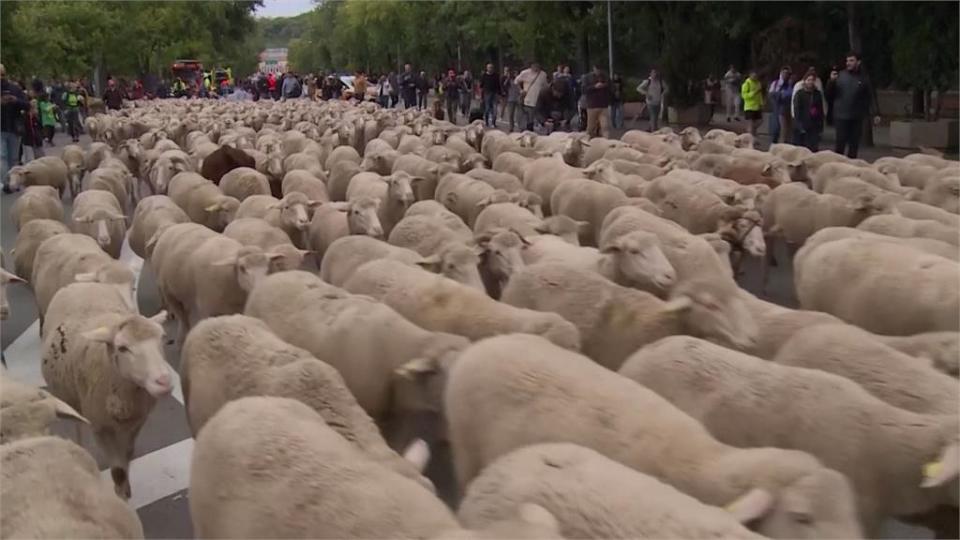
x=851 y=106
x=408 y=87
x=490 y=87
x=14 y=103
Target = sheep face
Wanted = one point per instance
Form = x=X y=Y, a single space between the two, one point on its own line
x=288 y=258
x=640 y=260
x=97 y=225
x=5 y=279
x=743 y=229
x=457 y=262
x=295 y=210
x=745 y=197
x=400 y=190
x=715 y=311
x=530 y=201
x=362 y=217
x=250 y=265
x=225 y=209
x=135 y=346
x=18 y=176
x=274 y=165
x=421 y=381
x=501 y=251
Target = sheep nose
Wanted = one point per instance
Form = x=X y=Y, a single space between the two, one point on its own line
x=104 y=241
x=162 y=380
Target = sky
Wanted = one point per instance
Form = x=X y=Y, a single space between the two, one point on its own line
x=284 y=8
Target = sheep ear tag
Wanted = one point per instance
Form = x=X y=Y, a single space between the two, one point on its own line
x=945 y=469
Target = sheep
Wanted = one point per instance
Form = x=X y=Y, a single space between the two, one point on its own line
x=97 y=152
x=467 y=197
x=902 y=227
x=426 y=233
x=940 y=348
x=644 y=170
x=730 y=192
x=570 y=146
x=828 y=172
x=313 y=187
x=588 y=201
x=203 y=274
x=74 y=157
x=881 y=370
x=303 y=161
x=943 y=192
x=744 y=170
x=291 y=214
x=223 y=160
x=936 y=162
x=691 y=256
x=794 y=212
x=382 y=161
x=28 y=241
x=518 y=390
x=342 y=153
x=921 y=211
x=153 y=214
x=789 y=152
x=106 y=361
x=65 y=258
x=258 y=232
x=700 y=211
x=395 y=193
x=340 y=175
x=115 y=182
x=615 y=321
x=934 y=247
x=27 y=411
x=509 y=216
x=883 y=288
x=348 y=496
x=270 y=165
x=498 y=180
x=336 y=220
x=168 y=165
x=511 y=163
x=440 y=304
x=43 y=171
x=592 y=497
x=230 y=357
x=243 y=182
x=545 y=174
x=419 y=167
x=97 y=214
x=434 y=208
x=204 y=202
x=626 y=153
x=745 y=401
x=36 y=202
x=393 y=367
x=51 y=488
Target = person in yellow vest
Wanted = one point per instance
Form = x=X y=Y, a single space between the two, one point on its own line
x=752 y=93
x=72 y=101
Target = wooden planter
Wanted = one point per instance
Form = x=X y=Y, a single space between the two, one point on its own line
x=938 y=134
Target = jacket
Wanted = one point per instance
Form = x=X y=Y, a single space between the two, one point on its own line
x=597 y=98
x=531 y=84
x=490 y=83
x=10 y=112
x=780 y=94
x=408 y=84
x=852 y=96
x=113 y=98
x=752 y=94
x=809 y=110
x=451 y=88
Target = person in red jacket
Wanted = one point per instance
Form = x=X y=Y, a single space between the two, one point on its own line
x=272 y=85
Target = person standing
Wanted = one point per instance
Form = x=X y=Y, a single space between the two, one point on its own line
x=490 y=88
x=394 y=89
x=12 y=104
x=752 y=94
x=511 y=97
x=655 y=90
x=830 y=93
x=423 y=90
x=451 y=94
x=272 y=85
x=531 y=82
x=112 y=96
x=732 y=82
x=33 y=130
x=596 y=86
x=72 y=102
x=851 y=107
x=711 y=94
x=48 y=116
x=466 y=93
x=407 y=82
x=780 y=94
x=808 y=108
x=616 y=101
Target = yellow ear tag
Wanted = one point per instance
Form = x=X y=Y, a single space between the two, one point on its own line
x=932 y=469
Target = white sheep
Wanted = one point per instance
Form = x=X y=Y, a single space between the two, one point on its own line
x=153 y=214
x=934 y=247
x=544 y=175
x=302 y=181
x=244 y=182
x=592 y=496
x=902 y=227
x=615 y=321
x=943 y=192
x=291 y=214
x=74 y=157
x=230 y=357
x=885 y=372
x=28 y=241
x=395 y=193
x=97 y=214
x=256 y=450
x=43 y=171
x=52 y=489
x=513 y=391
x=305 y=162
x=794 y=212
x=107 y=362
x=341 y=154
x=702 y=212
x=922 y=211
x=434 y=208
x=202 y=200
x=940 y=348
x=27 y=411
x=745 y=401
x=440 y=304
x=337 y=220
x=419 y=167
x=497 y=180
x=831 y=171
x=36 y=202
x=883 y=288
x=257 y=232
x=589 y=201
x=467 y=197
x=167 y=165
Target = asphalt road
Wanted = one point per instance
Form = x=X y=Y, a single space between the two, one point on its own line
x=160 y=471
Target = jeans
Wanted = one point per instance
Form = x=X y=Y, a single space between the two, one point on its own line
x=733 y=103
x=9 y=149
x=653 y=109
x=452 y=110
x=422 y=101
x=529 y=115
x=490 y=109
x=35 y=152
x=465 y=104
x=410 y=101
x=511 y=110
x=848 y=136
x=807 y=139
x=73 y=123
x=597 y=122
x=616 y=115
x=779 y=123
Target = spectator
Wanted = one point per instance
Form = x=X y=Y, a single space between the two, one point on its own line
x=360 y=86
x=112 y=96
x=32 y=130
x=332 y=87
x=272 y=85
x=73 y=101
x=780 y=93
x=711 y=94
x=852 y=105
x=816 y=81
x=553 y=106
x=466 y=93
x=394 y=87
x=531 y=82
x=291 y=87
x=596 y=86
x=408 y=87
x=655 y=90
x=830 y=93
x=12 y=103
x=752 y=94
x=808 y=108
x=732 y=81
x=616 y=101
x=490 y=86
x=451 y=94
x=48 y=116
x=423 y=89
x=512 y=97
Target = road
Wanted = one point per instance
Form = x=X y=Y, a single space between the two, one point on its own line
x=160 y=470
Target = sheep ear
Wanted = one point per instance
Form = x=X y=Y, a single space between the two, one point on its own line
x=523 y=240
x=117 y=216
x=274 y=256
x=82 y=219
x=86 y=277
x=610 y=248
x=767 y=168
x=680 y=303
x=161 y=317
x=450 y=199
x=103 y=334
x=314 y=204
x=945 y=469
x=66 y=411
x=213 y=207
x=429 y=263
x=751 y=506
x=10 y=277
x=585 y=143
x=417 y=453
x=417 y=367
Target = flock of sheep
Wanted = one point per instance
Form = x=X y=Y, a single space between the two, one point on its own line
x=566 y=306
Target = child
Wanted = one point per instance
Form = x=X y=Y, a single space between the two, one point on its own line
x=32 y=136
x=48 y=116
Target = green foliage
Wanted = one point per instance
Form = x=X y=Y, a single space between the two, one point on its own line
x=924 y=48
x=281 y=31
